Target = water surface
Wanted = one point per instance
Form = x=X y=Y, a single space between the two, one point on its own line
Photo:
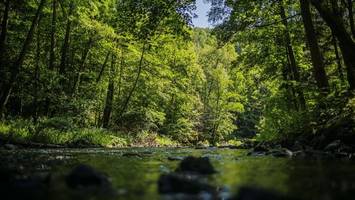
x=134 y=172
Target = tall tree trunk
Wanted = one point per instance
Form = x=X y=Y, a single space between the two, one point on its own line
x=140 y=67
x=15 y=70
x=351 y=17
x=52 y=50
x=337 y=57
x=317 y=59
x=53 y=31
x=289 y=87
x=346 y=43
x=110 y=94
x=65 y=47
x=103 y=67
x=121 y=75
x=293 y=64
x=82 y=65
x=3 y=36
x=216 y=117
x=36 y=77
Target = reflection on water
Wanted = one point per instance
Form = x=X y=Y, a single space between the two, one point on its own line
x=134 y=172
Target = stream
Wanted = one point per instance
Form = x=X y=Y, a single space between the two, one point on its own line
x=134 y=172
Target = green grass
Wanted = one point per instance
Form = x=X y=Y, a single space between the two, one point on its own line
x=60 y=132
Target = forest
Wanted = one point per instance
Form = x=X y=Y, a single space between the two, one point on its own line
x=270 y=80
x=114 y=73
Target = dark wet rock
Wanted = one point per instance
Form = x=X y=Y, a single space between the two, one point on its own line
x=183 y=183
x=228 y=147
x=201 y=147
x=275 y=150
x=342 y=155
x=14 y=185
x=83 y=143
x=213 y=156
x=199 y=165
x=261 y=147
x=256 y=153
x=250 y=193
x=208 y=148
x=234 y=147
x=147 y=153
x=133 y=154
x=283 y=152
x=10 y=147
x=298 y=146
x=247 y=144
x=313 y=154
x=352 y=156
x=176 y=158
x=333 y=146
x=84 y=176
x=299 y=154
x=163 y=169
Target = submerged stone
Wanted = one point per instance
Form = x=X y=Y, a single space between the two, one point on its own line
x=182 y=183
x=132 y=154
x=16 y=186
x=10 y=147
x=333 y=146
x=85 y=176
x=201 y=165
x=175 y=158
x=283 y=152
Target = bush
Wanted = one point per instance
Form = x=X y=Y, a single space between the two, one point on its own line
x=59 y=131
x=182 y=131
x=283 y=124
x=96 y=137
x=17 y=130
x=149 y=120
x=58 y=123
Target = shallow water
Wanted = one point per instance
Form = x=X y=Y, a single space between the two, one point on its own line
x=134 y=172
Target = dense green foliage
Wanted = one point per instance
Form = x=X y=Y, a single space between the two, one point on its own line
x=136 y=68
x=297 y=81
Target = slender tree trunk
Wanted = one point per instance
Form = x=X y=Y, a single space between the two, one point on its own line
x=121 y=75
x=65 y=47
x=217 y=116
x=15 y=70
x=103 y=67
x=3 y=35
x=293 y=64
x=53 y=31
x=351 y=17
x=82 y=65
x=337 y=57
x=140 y=67
x=110 y=94
x=289 y=87
x=346 y=43
x=36 y=77
x=317 y=59
x=52 y=50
